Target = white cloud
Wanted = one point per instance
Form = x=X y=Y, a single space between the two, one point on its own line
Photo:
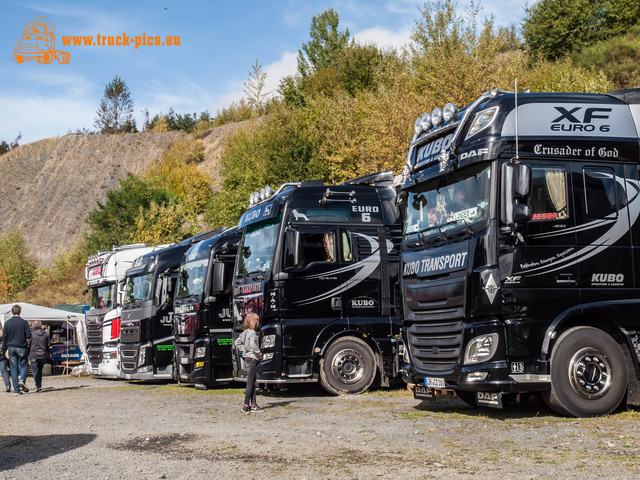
x=286 y=65
x=384 y=38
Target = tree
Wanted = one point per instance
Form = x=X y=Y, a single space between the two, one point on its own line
x=325 y=44
x=114 y=222
x=115 y=114
x=17 y=268
x=4 y=147
x=254 y=88
x=555 y=28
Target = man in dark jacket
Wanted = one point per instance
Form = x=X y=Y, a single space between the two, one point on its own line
x=38 y=352
x=15 y=341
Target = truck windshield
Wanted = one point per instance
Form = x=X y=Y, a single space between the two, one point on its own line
x=102 y=297
x=191 y=278
x=138 y=288
x=443 y=203
x=255 y=253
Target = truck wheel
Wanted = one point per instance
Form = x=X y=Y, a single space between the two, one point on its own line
x=348 y=367
x=588 y=373
x=63 y=57
x=46 y=58
x=18 y=58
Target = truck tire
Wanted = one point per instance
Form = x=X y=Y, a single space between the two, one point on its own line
x=348 y=367
x=18 y=58
x=63 y=57
x=47 y=58
x=588 y=373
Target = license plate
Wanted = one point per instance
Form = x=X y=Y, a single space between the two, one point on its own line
x=94 y=371
x=422 y=392
x=435 y=382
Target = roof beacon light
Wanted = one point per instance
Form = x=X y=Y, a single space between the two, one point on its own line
x=418 y=126
x=269 y=191
x=436 y=117
x=252 y=199
x=263 y=194
x=450 y=111
x=425 y=121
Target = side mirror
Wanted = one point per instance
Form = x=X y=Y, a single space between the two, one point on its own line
x=515 y=184
x=522 y=181
x=292 y=249
x=521 y=212
x=217 y=280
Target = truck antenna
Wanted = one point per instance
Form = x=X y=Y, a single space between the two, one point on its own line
x=516 y=95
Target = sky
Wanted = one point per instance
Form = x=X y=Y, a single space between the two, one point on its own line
x=219 y=42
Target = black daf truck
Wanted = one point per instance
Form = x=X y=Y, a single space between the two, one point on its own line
x=518 y=266
x=146 y=332
x=202 y=305
x=319 y=264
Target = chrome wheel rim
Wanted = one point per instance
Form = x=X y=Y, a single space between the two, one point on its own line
x=590 y=373
x=348 y=366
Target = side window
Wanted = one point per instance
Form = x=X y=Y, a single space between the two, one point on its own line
x=304 y=248
x=548 y=197
x=347 y=249
x=601 y=193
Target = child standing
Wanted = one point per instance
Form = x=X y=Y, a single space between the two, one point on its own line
x=247 y=345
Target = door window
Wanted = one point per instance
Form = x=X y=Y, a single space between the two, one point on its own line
x=548 y=193
x=600 y=192
x=305 y=248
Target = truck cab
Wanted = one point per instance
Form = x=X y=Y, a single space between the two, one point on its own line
x=146 y=331
x=319 y=264
x=202 y=316
x=520 y=230
x=105 y=273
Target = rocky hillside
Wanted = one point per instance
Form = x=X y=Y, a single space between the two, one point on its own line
x=48 y=187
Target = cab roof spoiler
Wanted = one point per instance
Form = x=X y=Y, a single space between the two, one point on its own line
x=378 y=179
x=630 y=96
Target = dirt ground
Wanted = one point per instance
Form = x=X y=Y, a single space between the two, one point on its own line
x=102 y=429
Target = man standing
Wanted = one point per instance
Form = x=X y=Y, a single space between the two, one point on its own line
x=38 y=352
x=15 y=338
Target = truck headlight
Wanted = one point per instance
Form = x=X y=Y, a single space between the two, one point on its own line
x=268 y=341
x=200 y=352
x=267 y=356
x=481 y=349
x=142 y=356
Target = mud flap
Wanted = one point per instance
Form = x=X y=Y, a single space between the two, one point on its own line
x=489 y=399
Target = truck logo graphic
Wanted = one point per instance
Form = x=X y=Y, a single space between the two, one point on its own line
x=39 y=43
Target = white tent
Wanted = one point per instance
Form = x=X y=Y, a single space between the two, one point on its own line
x=48 y=315
x=32 y=312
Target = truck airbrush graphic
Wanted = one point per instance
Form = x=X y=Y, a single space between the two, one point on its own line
x=38 y=43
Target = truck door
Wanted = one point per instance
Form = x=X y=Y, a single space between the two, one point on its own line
x=311 y=295
x=603 y=236
x=545 y=267
x=369 y=291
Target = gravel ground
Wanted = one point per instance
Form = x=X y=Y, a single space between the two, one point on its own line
x=100 y=429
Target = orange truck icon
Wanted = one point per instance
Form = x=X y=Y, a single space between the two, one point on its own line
x=39 y=43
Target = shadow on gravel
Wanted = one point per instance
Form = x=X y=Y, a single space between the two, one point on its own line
x=53 y=389
x=526 y=408
x=18 y=450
